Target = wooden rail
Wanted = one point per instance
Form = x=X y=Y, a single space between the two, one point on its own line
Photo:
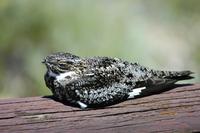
x=177 y=110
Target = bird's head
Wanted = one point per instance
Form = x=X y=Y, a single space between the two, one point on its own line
x=61 y=62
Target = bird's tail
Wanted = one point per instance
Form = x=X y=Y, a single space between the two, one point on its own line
x=163 y=81
x=176 y=75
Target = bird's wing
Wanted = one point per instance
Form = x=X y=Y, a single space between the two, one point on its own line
x=154 y=86
x=163 y=81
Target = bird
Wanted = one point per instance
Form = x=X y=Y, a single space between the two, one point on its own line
x=95 y=82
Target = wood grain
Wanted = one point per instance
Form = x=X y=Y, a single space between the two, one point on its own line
x=177 y=110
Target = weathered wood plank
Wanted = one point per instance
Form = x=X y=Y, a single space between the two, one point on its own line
x=177 y=110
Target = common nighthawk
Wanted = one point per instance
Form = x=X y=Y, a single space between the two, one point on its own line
x=102 y=81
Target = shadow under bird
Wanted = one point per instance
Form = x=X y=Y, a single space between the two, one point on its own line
x=103 y=81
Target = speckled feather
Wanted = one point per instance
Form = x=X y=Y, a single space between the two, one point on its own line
x=102 y=81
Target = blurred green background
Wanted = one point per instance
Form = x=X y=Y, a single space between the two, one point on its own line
x=162 y=34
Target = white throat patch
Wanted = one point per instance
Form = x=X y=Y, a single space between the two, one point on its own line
x=67 y=77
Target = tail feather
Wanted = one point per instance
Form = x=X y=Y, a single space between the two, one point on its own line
x=181 y=75
x=165 y=81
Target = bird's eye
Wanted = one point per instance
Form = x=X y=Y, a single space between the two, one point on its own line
x=62 y=65
x=69 y=62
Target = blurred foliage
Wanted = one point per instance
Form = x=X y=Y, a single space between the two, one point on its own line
x=157 y=33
